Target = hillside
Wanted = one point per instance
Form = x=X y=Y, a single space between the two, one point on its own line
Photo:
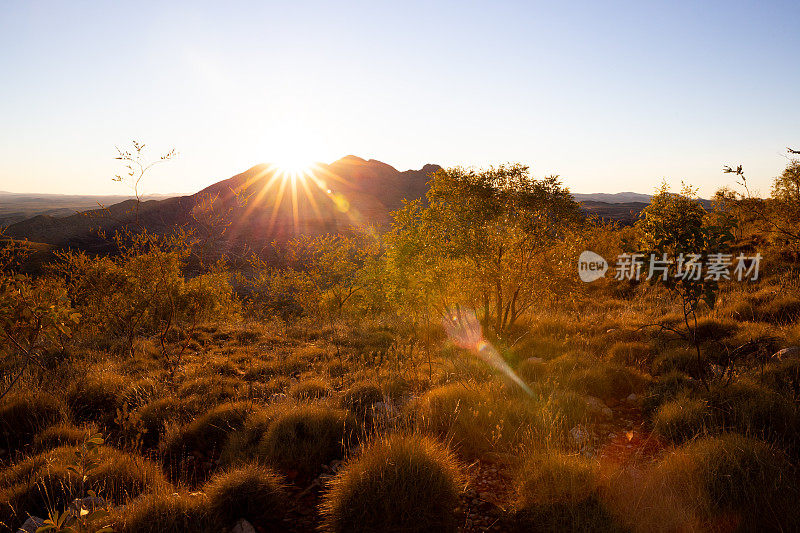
x=261 y=204
x=16 y=207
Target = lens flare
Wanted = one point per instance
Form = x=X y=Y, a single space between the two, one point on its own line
x=465 y=330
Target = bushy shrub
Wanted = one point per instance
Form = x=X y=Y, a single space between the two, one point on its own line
x=667 y=387
x=243 y=444
x=96 y=397
x=754 y=410
x=743 y=481
x=681 y=419
x=164 y=512
x=780 y=308
x=202 y=439
x=398 y=484
x=712 y=329
x=304 y=438
x=630 y=353
x=253 y=492
x=477 y=420
x=309 y=389
x=21 y=417
x=676 y=360
x=62 y=434
x=607 y=381
x=42 y=481
x=360 y=398
x=557 y=492
x=151 y=419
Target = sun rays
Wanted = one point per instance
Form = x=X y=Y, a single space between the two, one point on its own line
x=301 y=193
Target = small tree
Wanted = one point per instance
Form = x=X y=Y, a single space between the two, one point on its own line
x=676 y=228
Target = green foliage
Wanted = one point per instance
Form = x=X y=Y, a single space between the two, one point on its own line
x=490 y=240
x=397 y=484
x=143 y=289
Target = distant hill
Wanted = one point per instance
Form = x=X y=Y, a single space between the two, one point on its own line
x=615 y=198
x=263 y=205
x=15 y=207
x=622 y=207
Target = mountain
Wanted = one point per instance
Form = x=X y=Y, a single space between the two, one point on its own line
x=615 y=198
x=262 y=204
x=15 y=207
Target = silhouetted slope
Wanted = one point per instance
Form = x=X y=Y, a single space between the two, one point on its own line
x=262 y=204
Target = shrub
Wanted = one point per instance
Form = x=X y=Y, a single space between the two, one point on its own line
x=203 y=439
x=243 y=444
x=21 y=417
x=302 y=439
x=780 y=308
x=606 y=381
x=630 y=353
x=360 y=398
x=784 y=376
x=711 y=329
x=43 y=481
x=310 y=389
x=96 y=397
x=556 y=492
x=253 y=492
x=532 y=369
x=153 y=418
x=667 y=387
x=460 y=416
x=164 y=513
x=677 y=360
x=746 y=481
x=61 y=435
x=754 y=410
x=475 y=421
x=398 y=484
x=213 y=389
x=681 y=419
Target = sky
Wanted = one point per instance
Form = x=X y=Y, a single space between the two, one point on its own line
x=611 y=96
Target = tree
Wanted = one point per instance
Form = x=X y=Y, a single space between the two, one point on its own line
x=675 y=229
x=485 y=240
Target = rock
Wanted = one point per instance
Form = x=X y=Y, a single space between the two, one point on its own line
x=277 y=397
x=243 y=526
x=787 y=352
x=632 y=397
x=579 y=435
x=535 y=360
x=597 y=407
x=31 y=525
x=89 y=503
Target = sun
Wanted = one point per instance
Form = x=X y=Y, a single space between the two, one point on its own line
x=293 y=164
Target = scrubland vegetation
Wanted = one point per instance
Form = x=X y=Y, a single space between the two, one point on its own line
x=321 y=389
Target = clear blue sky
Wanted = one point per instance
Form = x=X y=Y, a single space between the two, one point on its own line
x=613 y=96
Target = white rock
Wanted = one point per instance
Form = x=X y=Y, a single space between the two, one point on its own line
x=632 y=397
x=243 y=526
x=31 y=525
x=579 y=435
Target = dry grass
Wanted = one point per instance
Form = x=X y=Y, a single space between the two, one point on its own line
x=397 y=484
